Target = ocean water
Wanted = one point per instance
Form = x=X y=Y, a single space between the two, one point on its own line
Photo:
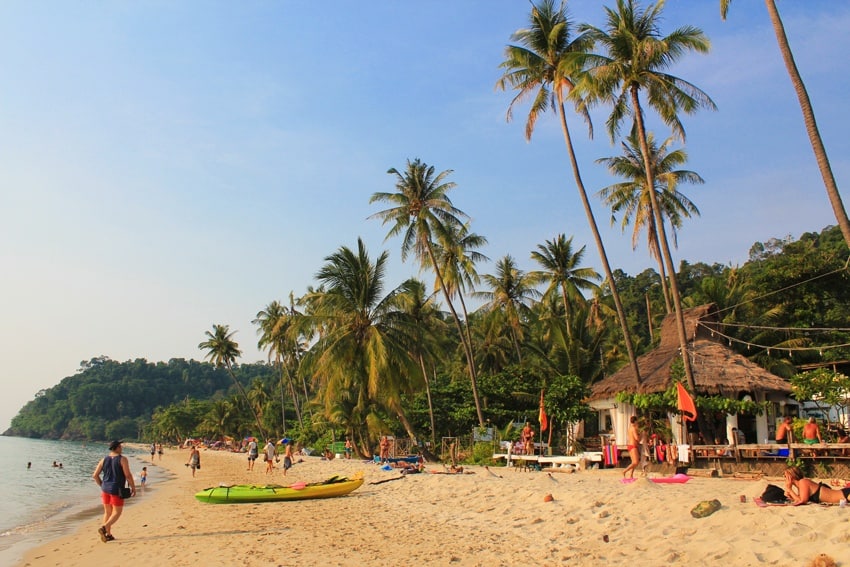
x=43 y=502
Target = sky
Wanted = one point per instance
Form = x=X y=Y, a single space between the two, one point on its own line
x=167 y=166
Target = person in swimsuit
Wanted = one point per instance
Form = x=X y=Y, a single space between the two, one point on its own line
x=634 y=442
x=143 y=476
x=811 y=433
x=287 y=457
x=194 y=460
x=153 y=450
x=803 y=490
x=784 y=433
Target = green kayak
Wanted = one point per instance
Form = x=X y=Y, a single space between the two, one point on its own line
x=334 y=486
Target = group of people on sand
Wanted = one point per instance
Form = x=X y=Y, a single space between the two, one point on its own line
x=270 y=455
x=156 y=448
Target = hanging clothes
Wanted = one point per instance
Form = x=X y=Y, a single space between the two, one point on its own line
x=684 y=453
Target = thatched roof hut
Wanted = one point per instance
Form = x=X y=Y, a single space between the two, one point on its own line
x=717 y=369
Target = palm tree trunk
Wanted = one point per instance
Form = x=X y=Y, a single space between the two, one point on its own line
x=245 y=397
x=467 y=348
x=282 y=398
x=295 y=403
x=655 y=250
x=591 y=220
x=567 y=312
x=430 y=403
x=662 y=237
x=809 y=119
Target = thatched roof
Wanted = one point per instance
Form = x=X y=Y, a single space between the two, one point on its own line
x=717 y=368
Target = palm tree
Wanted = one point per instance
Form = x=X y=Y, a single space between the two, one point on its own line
x=561 y=271
x=511 y=292
x=636 y=57
x=422 y=209
x=273 y=325
x=632 y=199
x=222 y=350
x=457 y=253
x=425 y=328
x=546 y=65
x=808 y=115
x=363 y=350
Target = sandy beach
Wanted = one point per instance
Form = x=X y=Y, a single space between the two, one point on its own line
x=494 y=516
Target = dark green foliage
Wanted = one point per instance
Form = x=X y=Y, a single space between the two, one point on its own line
x=108 y=399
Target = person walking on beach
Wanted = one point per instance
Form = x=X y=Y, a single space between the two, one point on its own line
x=153 y=450
x=194 y=459
x=287 y=457
x=116 y=472
x=159 y=450
x=269 y=457
x=634 y=444
x=253 y=453
x=143 y=477
x=348 y=448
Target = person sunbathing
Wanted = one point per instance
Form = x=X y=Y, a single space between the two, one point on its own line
x=802 y=490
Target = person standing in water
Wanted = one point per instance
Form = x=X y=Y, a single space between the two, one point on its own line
x=116 y=472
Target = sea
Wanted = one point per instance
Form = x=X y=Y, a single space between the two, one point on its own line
x=40 y=502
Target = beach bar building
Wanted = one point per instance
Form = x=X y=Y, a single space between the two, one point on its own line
x=717 y=369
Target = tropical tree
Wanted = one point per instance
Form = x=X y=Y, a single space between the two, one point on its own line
x=222 y=350
x=426 y=327
x=456 y=249
x=636 y=57
x=362 y=355
x=273 y=326
x=631 y=197
x=562 y=272
x=808 y=115
x=422 y=209
x=545 y=65
x=511 y=292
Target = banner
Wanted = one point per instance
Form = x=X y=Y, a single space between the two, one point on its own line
x=544 y=421
x=686 y=404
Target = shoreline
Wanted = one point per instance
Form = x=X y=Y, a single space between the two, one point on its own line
x=494 y=516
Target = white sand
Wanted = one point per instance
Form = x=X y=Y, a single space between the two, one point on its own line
x=437 y=519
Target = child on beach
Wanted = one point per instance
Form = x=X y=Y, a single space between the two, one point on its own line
x=143 y=477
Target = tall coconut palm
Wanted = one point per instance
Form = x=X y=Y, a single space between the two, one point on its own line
x=545 y=65
x=631 y=198
x=511 y=292
x=222 y=350
x=636 y=57
x=457 y=253
x=364 y=347
x=425 y=327
x=422 y=209
x=273 y=325
x=562 y=272
x=808 y=115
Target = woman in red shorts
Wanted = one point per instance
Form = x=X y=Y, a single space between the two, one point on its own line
x=116 y=472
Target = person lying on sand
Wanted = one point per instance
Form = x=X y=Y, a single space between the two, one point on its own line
x=803 y=490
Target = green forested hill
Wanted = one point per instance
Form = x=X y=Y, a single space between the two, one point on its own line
x=110 y=399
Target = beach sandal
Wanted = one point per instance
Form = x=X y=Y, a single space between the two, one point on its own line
x=101 y=531
x=110 y=537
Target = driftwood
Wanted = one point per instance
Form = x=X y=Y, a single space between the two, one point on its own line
x=387 y=480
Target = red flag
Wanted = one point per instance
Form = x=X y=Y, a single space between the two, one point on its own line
x=686 y=404
x=544 y=421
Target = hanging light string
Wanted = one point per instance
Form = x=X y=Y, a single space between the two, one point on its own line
x=762 y=328
x=786 y=288
x=790 y=349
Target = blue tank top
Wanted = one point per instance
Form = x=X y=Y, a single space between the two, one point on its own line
x=113 y=475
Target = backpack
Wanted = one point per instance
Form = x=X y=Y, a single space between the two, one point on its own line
x=774 y=495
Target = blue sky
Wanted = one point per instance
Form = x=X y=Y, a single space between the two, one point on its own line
x=166 y=166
